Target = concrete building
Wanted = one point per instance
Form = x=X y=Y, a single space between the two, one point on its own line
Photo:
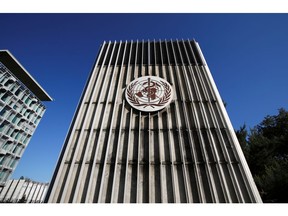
x=23 y=190
x=151 y=127
x=21 y=110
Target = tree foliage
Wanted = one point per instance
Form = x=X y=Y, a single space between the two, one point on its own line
x=266 y=150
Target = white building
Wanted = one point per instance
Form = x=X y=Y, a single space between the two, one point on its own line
x=21 y=109
x=151 y=127
x=23 y=190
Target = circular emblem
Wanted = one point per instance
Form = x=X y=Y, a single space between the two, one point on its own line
x=149 y=93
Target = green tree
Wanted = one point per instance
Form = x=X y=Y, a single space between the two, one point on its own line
x=266 y=150
x=242 y=135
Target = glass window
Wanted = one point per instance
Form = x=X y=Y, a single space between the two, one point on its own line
x=3 y=79
x=8 y=83
x=17 y=92
x=3 y=126
x=15 y=149
x=11 y=116
x=2 y=174
x=5 y=97
x=28 y=99
x=14 y=134
x=12 y=102
x=13 y=163
x=15 y=107
x=2 y=112
x=17 y=136
x=36 y=121
x=9 y=131
x=7 y=146
x=13 y=87
x=20 y=122
x=22 y=110
x=26 y=140
x=1 y=159
x=2 y=91
x=14 y=119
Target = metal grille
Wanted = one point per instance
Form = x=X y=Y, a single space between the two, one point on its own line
x=187 y=152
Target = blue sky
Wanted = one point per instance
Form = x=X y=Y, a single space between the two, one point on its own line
x=246 y=53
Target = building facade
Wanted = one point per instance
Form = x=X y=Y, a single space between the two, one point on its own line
x=21 y=109
x=122 y=147
x=23 y=191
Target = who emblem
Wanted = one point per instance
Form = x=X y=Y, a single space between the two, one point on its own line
x=149 y=93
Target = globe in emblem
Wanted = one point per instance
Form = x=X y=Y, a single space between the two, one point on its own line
x=149 y=93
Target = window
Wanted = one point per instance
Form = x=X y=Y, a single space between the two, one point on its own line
x=18 y=136
x=2 y=112
x=15 y=133
x=9 y=131
x=14 y=119
x=1 y=160
x=3 y=176
x=3 y=78
x=11 y=116
x=20 y=122
x=17 y=92
x=28 y=99
x=2 y=91
x=37 y=120
x=2 y=173
x=26 y=140
x=15 y=107
x=5 y=97
x=9 y=82
x=3 y=126
x=7 y=146
x=13 y=163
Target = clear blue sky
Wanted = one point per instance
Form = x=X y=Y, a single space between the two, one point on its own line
x=246 y=53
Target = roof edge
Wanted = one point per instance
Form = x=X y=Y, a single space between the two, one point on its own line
x=20 y=72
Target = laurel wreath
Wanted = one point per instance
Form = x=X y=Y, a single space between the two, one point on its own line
x=131 y=96
x=163 y=100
